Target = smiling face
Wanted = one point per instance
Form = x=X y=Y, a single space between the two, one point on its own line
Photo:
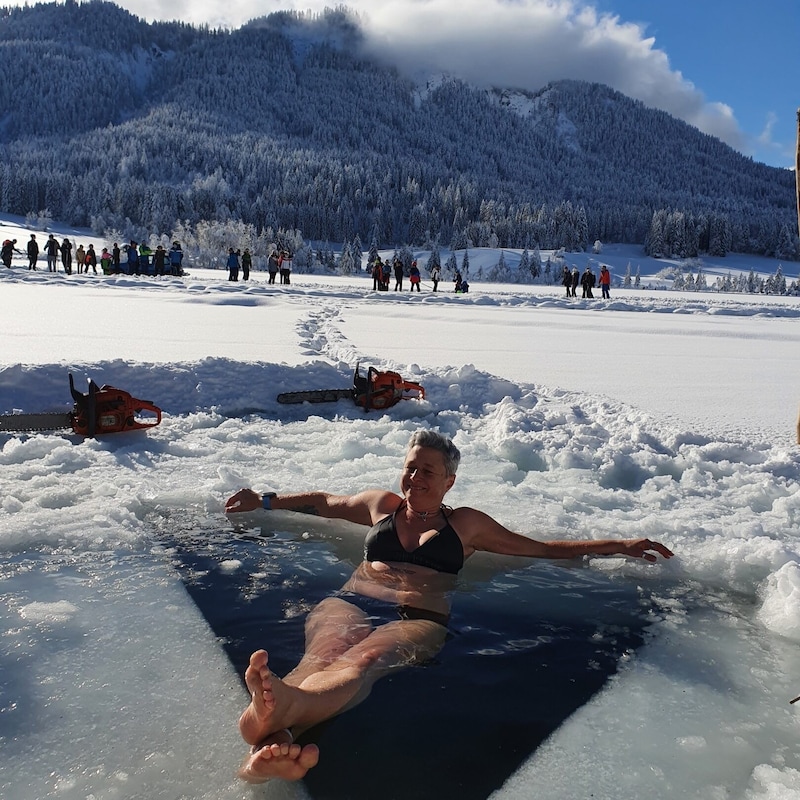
x=425 y=481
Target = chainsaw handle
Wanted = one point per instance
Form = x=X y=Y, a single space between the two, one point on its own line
x=146 y=405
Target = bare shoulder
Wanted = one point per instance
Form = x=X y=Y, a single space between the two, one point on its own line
x=470 y=521
x=377 y=503
x=468 y=514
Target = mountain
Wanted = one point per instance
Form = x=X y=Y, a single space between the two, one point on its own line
x=120 y=124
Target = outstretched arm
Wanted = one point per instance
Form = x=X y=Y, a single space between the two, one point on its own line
x=363 y=508
x=480 y=532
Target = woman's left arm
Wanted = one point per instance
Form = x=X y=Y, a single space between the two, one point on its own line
x=479 y=531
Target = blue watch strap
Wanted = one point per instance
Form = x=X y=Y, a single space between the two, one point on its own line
x=266 y=500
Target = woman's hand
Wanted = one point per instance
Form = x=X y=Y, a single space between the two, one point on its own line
x=640 y=548
x=243 y=500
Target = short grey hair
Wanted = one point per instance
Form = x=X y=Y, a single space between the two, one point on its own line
x=434 y=440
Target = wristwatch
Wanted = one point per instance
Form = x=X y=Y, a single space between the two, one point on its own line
x=266 y=500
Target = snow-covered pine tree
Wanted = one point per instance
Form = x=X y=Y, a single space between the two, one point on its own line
x=406 y=256
x=627 y=280
x=372 y=256
x=779 y=281
x=700 y=283
x=524 y=274
x=357 y=250
x=500 y=272
x=345 y=265
x=536 y=263
x=435 y=258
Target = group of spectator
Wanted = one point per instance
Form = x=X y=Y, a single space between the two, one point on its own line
x=278 y=262
x=139 y=259
x=381 y=272
x=571 y=279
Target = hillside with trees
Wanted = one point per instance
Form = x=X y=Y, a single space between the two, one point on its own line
x=118 y=124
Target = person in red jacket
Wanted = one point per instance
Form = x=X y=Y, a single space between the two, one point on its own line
x=605 y=281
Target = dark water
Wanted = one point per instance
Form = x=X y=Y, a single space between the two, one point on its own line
x=529 y=646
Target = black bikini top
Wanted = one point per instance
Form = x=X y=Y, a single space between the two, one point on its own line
x=442 y=552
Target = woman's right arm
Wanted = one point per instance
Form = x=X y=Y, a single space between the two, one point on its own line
x=363 y=508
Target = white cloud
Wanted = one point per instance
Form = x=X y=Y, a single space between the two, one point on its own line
x=527 y=43
x=765 y=137
x=514 y=43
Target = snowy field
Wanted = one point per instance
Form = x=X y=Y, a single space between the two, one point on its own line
x=655 y=414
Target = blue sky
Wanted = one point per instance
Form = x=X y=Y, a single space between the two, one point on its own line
x=742 y=53
x=729 y=67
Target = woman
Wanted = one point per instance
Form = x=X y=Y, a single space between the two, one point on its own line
x=66 y=256
x=415 y=547
x=233 y=265
x=80 y=257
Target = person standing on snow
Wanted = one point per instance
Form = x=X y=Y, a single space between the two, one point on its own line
x=176 y=260
x=105 y=261
x=159 y=260
x=566 y=280
x=80 y=257
x=66 y=256
x=285 y=266
x=576 y=279
x=33 y=252
x=436 y=273
x=605 y=282
x=414 y=276
x=233 y=265
x=90 y=260
x=51 y=248
x=133 y=258
x=588 y=282
x=7 y=252
x=273 y=266
x=247 y=262
x=398 y=275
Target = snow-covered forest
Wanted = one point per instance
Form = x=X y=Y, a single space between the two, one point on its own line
x=141 y=128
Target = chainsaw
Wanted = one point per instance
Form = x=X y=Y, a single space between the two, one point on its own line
x=101 y=410
x=375 y=390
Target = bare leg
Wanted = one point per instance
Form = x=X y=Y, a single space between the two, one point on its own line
x=279 y=757
x=314 y=696
x=332 y=628
x=275 y=705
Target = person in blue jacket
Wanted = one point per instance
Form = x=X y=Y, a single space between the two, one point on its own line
x=132 y=265
x=176 y=259
x=233 y=265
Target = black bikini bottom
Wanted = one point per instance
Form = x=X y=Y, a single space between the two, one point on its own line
x=381 y=611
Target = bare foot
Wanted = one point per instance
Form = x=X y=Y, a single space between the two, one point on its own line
x=275 y=705
x=258 y=720
x=279 y=758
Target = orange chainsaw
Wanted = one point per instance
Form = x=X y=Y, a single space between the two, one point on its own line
x=101 y=410
x=378 y=389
